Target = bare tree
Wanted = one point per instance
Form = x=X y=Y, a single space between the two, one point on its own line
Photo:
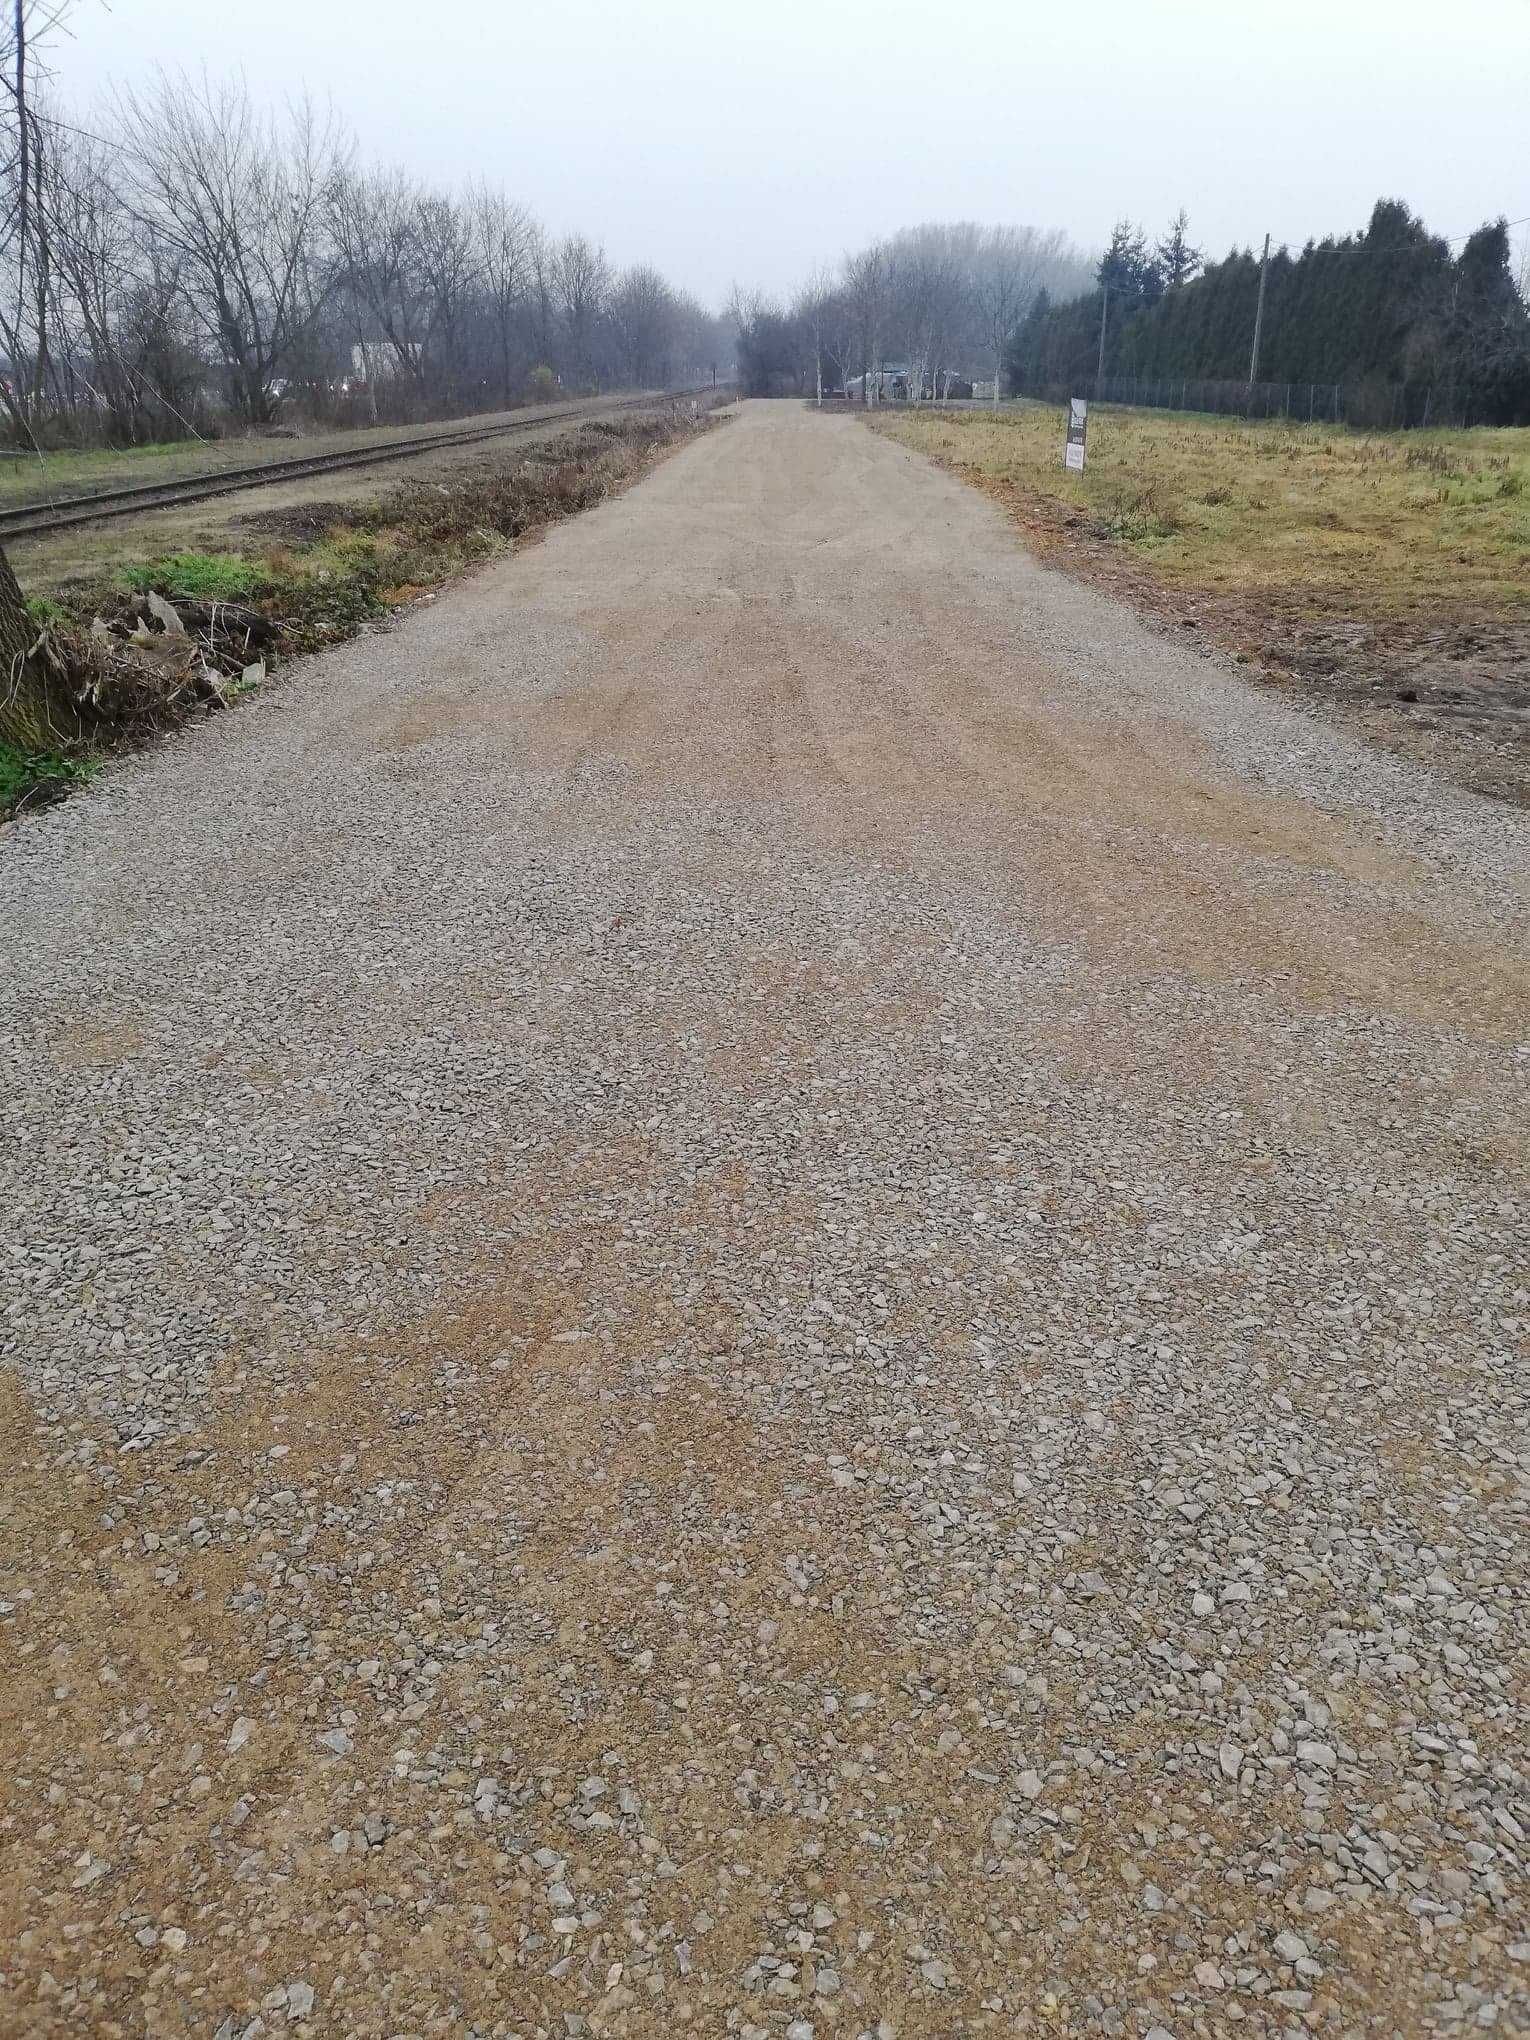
x=642 y=310
x=241 y=199
x=156 y=338
x=506 y=236
x=30 y=305
x=700 y=340
x=412 y=260
x=92 y=240
x=25 y=240
x=1007 y=271
x=925 y=293
x=447 y=255
x=28 y=664
x=374 y=221
x=812 y=310
x=208 y=253
x=581 y=281
x=116 y=350
x=942 y=293
x=543 y=295
x=838 y=331
x=865 y=277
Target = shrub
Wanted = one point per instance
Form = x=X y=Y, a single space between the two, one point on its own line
x=1143 y=512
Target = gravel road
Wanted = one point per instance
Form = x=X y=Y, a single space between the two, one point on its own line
x=770 y=1282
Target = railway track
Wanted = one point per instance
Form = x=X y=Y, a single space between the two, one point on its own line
x=33 y=519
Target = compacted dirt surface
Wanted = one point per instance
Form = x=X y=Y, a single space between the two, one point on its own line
x=771 y=1282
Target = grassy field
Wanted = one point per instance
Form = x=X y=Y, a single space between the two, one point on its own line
x=1380 y=525
x=1385 y=577
x=38 y=477
x=52 y=477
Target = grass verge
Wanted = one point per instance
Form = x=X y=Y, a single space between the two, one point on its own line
x=33 y=779
x=312 y=575
x=1387 y=575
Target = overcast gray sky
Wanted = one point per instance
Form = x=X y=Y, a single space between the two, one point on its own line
x=752 y=141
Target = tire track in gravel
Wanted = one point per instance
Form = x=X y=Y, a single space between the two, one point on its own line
x=766 y=1283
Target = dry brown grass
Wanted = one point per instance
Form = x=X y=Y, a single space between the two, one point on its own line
x=1384 y=576
x=1387 y=524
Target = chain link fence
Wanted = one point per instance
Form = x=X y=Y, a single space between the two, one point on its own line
x=1378 y=407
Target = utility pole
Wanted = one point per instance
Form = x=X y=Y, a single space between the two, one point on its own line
x=1253 y=360
x=1099 y=373
x=21 y=157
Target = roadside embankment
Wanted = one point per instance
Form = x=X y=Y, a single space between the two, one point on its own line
x=147 y=642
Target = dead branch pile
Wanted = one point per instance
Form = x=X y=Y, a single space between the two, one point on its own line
x=154 y=660
x=229 y=636
x=149 y=665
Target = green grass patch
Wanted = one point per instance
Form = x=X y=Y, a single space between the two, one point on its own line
x=198 y=577
x=67 y=471
x=33 y=778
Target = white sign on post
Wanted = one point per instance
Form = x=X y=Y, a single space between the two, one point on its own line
x=1078 y=427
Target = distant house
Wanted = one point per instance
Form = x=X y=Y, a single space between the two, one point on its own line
x=378 y=361
x=887 y=384
x=893 y=383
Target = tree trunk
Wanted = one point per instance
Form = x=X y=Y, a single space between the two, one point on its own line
x=370 y=373
x=36 y=713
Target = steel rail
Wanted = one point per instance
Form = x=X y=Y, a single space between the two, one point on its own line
x=33 y=519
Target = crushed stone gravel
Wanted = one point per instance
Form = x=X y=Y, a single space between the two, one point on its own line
x=770 y=1282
